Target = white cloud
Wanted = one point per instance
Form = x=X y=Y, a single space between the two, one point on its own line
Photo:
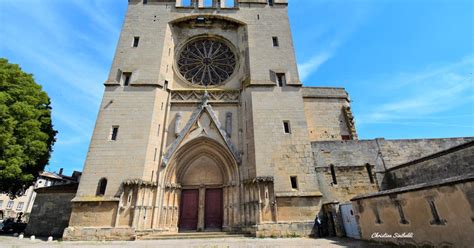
x=311 y=66
x=330 y=35
x=418 y=96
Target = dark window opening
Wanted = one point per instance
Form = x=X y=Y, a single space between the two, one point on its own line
x=136 y=40
x=258 y=17
x=403 y=220
x=436 y=219
x=275 y=41
x=166 y=85
x=126 y=78
x=377 y=216
x=154 y=156
x=281 y=80
x=369 y=172
x=333 y=174
x=102 y=185
x=286 y=126
x=270 y=2
x=145 y=1
x=114 y=133
x=200 y=20
x=294 y=182
x=346 y=137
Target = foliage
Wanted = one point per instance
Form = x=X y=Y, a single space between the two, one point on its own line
x=26 y=132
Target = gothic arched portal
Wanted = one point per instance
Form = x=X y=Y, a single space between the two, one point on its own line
x=201 y=186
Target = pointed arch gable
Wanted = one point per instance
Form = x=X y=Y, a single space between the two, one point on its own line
x=203 y=108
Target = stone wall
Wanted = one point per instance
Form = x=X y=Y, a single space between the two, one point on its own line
x=351 y=181
x=453 y=162
x=324 y=113
x=453 y=202
x=94 y=213
x=51 y=211
x=380 y=153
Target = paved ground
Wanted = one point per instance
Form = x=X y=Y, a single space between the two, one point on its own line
x=9 y=241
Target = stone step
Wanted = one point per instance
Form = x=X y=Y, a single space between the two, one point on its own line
x=192 y=235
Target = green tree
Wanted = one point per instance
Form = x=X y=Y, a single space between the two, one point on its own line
x=26 y=132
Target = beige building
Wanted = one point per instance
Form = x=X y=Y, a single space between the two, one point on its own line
x=205 y=125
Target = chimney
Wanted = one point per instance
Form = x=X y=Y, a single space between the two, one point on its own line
x=61 y=171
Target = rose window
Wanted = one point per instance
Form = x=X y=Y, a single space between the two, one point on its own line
x=206 y=62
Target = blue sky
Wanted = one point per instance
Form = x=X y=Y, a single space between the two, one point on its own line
x=407 y=64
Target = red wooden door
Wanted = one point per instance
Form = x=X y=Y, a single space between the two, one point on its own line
x=188 y=219
x=214 y=208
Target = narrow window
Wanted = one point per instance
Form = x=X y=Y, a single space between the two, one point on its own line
x=286 y=126
x=114 y=133
x=436 y=219
x=145 y=1
x=258 y=17
x=270 y=2
x=281 y=80
x=20 y=206
x=136 y=40
x=162 y=106
x=154 y=156
x=294 y=182
x=126 y=78
x=101 y=186
x=403 y=220
x=275 y=41
x=10 y=205
x=166 y=85
x=377 y=216
x=369 y=172
x=333 y=174
x=159 y=127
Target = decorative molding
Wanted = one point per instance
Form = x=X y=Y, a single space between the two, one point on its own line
x=204 y=106
x=172 y=186
x=139 y=182
x=350 y=121
x=195 y=96
x=267 y=179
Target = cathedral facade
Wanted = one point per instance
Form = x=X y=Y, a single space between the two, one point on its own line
x=205 y=125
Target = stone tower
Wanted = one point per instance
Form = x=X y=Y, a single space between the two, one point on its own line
x=205 y=125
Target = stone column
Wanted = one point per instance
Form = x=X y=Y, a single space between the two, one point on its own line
x=177 y=205
x=259 y=204
x=156 y=208
x=202 y=202
x=225 y=203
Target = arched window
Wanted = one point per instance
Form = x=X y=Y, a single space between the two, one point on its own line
x=101 y=187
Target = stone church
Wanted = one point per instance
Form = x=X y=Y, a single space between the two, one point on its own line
x=205 y=125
